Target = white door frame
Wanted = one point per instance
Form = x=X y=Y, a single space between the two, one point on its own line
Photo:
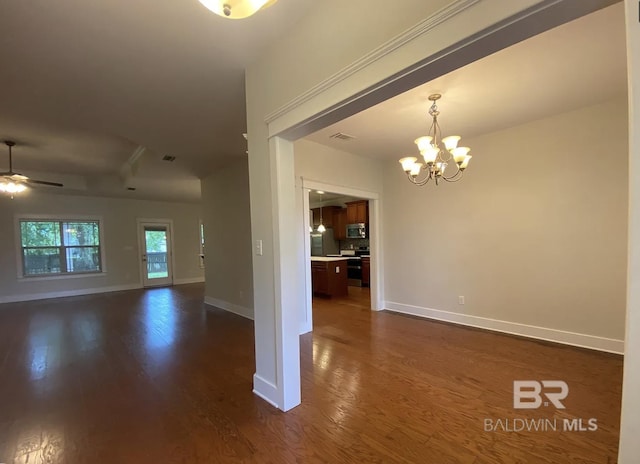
x=168 y=223
x=377 y=270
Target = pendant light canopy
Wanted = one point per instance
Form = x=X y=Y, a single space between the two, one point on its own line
x=236 y=9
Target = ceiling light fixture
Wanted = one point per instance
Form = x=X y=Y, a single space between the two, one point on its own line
x=236 y=9
x=436 y=159
x=321 y=228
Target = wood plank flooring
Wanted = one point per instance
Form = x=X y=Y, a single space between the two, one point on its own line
x=151 y=376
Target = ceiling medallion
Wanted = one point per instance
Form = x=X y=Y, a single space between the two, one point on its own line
x=436 y=157
x=236 y=9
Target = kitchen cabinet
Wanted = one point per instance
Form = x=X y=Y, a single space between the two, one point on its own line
x=366 y=271
x=358 y=212
x=328 y=214
x=340 y=224
x=329 y=276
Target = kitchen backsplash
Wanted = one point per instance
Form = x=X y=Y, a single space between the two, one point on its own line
x=354 y=243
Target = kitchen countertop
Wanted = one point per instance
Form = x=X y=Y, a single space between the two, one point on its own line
x=365 y=256
x=326 y=259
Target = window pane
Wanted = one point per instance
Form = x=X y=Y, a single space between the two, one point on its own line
x=41 y=261
x=83 y=259
x=81 y=233
x=40 y=233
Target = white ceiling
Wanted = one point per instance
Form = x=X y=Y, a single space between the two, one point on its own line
x=577 y=64
x=84 y=83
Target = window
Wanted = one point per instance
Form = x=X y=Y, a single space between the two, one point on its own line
x=50 y=247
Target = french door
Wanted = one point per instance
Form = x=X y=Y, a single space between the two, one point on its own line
x=156 y=256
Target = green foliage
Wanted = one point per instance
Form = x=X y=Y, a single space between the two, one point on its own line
x=156 y=241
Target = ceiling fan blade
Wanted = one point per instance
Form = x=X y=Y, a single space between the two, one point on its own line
x=42 y=182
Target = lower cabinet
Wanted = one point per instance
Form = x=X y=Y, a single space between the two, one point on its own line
x=366 y=272
x=329 y=278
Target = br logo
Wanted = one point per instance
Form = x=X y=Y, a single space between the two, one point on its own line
x=528 y=394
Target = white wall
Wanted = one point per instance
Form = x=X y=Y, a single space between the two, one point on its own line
x=630 y=426
x=120 y=242
x=534 y=233
x=227 y=228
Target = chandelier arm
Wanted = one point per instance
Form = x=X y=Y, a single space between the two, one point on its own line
x=458 y=174
x=420 y=183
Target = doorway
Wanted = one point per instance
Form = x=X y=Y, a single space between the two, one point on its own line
x=156 y=255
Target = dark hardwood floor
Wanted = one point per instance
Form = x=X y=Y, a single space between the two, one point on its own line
x=153 y=377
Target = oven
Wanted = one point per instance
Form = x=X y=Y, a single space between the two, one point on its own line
x=354 y=271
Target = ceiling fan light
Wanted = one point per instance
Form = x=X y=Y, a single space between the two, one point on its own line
x=12 y=187
x=451 y=142
x=236 y=9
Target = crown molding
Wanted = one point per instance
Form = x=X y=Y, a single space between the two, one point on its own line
x=424 y=26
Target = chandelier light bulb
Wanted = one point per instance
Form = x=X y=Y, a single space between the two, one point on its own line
x=430 y=155
x=465 y=163
x=236 y=9
x=460 y=153
x=451 y=142
x=408 y=162
x=415 y=169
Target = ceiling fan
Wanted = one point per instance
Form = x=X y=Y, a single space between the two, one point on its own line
x=12 y=182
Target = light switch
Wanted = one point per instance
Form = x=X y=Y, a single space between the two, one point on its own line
x=259 y=247
x=337 y=269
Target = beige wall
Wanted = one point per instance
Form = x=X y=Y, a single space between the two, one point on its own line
x=120 y=241
x=325 y=164
x=630 y=427
x=227 y=222
x=534 y=234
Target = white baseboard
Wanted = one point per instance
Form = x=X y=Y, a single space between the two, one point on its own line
x=592 y=342
x=192 y=280
x=231 y=307
x=67 y=293
x=265 y=390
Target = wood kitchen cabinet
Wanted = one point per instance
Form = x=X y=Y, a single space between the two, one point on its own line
x=358 y=212
x=366 y=271
x=328 y=215
x=340 y=224
x=329 y=278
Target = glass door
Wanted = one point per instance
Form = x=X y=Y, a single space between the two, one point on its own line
x=156 y=254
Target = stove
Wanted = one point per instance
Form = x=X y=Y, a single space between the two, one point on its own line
x=354 y=266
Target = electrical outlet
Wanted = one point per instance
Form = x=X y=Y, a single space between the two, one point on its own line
x=461 y=300
x=337 y=269
x=259 y=247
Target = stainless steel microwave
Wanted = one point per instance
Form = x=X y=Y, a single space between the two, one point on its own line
x=357 y=230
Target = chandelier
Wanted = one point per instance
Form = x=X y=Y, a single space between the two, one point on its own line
x=451 y=158
x=236 y=9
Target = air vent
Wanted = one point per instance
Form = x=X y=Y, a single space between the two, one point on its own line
x=132 y=189
x=169 y=158
x=342 y=136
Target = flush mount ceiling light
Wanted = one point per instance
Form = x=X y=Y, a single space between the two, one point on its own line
x=436 y=157
x=236 y=9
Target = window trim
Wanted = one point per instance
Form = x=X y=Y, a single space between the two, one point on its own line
x=57 y=218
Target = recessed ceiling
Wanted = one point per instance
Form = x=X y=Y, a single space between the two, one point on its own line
x=84 y=83
x=580 y=63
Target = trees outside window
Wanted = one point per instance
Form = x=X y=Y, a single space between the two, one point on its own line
x=59 y=247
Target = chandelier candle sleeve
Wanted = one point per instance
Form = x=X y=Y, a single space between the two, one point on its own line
x=438 y=152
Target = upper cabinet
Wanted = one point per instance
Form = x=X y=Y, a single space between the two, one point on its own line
x=358 y=212
x=340 y=224
x=327 y=216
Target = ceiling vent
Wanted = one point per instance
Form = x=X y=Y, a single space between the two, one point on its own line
x=169 y=158
x=342 y=136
